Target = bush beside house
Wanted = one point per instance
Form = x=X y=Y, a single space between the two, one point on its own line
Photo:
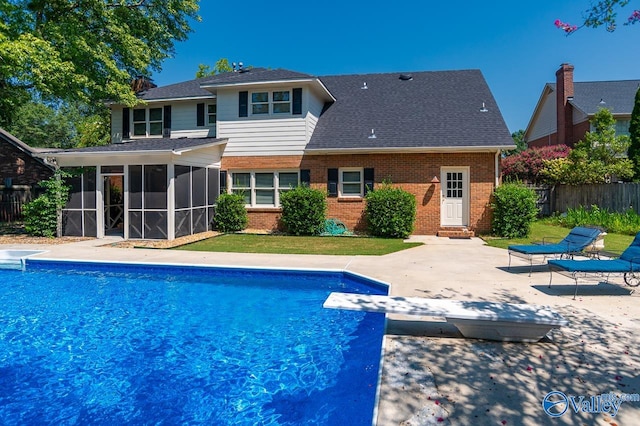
x=514 y=209
x=390 y=212
x=303 y=210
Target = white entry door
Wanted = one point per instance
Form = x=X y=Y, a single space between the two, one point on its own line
x=454 y=196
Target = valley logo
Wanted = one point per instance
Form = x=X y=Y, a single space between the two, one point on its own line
x=557 y=403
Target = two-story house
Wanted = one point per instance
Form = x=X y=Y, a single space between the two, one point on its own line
x=565 y=108
x=259 y=132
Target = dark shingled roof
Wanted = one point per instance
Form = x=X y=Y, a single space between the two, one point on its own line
x=186 y=89
x=618 y=95
x=431 y=110
x=161 y=144
x=191 y=88
x=255 y=75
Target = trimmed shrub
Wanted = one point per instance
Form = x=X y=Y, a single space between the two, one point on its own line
x=41 y=214
x=514 y=209
x=231 y=215
x=303 y=210
x=390 y=212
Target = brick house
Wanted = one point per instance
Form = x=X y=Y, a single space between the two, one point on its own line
x=18 y=165
x=258 y=132
x=565 y=108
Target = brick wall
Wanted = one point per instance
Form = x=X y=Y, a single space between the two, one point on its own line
x=412 y=172
x=20 y=166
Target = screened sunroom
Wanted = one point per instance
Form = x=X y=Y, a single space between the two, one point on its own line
x=148 y=189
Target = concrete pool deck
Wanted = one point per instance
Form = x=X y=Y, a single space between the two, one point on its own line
x=430 y=374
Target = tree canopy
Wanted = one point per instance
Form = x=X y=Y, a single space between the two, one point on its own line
x=86 y=51
x=222 y=65
x=604 y=12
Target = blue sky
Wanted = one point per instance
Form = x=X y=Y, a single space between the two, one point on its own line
x=514 y=43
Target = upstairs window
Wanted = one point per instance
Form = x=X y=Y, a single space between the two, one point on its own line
x=147 y=122
x=212 y=114
x=281 y=102
x=260 y=103
x=277 y=102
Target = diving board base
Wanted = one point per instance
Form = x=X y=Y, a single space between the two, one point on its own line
x=478 y=320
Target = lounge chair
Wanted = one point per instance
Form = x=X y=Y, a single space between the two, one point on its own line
x=627 y=264
x=579 y=239
x=514 y=322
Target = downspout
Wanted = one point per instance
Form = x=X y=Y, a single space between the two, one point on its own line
x=497 y=168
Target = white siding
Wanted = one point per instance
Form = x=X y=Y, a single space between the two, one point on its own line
x=264 y=135
x=315 y=106
x=545 y=123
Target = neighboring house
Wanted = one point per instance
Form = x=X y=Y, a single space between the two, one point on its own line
x=259 y=132
x=18 y=165
x=565 y=108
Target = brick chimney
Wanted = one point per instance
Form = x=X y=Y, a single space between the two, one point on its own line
x=564 y=91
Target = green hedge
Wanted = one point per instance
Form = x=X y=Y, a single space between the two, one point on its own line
x=231 y=215
x=303 y=210
x=390 y=212
x=514 y=209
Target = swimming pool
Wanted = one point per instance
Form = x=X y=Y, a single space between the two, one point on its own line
x=99 y=343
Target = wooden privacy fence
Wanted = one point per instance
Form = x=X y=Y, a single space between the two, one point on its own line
x=11 y=203
x=615 y=197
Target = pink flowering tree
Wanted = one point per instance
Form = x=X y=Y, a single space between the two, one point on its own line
x=604 y=12
x=526 y=166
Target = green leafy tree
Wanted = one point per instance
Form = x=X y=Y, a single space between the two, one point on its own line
x=85 y=51
x=518 y=139
x=596 y=159
x=634 y=135
x=40 y=125
x=222 y=65
x=604 y=12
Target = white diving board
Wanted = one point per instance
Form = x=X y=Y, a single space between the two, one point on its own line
x=514 y=322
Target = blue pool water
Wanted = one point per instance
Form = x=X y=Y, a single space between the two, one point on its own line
x=140 y=344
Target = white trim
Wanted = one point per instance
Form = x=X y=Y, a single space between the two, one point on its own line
x=252 y=185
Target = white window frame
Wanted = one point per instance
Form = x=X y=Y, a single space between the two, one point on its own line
x=271 y=103
x=341 y=182
x=210 y=114
x=147 y=122
x=277 y=188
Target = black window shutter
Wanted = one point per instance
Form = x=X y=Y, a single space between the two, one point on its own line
x=200 y=115
x=332 y=182
x=223 y=182
x=368 y=180
x=167 y=121
x=126 y=130
x=305 y=177
x=243 y=104
x=297 y=101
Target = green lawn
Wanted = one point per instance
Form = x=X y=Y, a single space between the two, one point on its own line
x=615 y=243
x=247 y=243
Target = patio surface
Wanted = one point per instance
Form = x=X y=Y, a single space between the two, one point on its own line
x=432 y=376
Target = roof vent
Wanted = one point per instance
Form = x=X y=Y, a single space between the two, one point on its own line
x=372 y=135
x=364 y=86
x=406 y=77
x=602 y=102
x=484 y=108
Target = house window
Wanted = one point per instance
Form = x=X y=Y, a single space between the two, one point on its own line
x=351 y=183
x=281 y=102
x=263 y=189
x=277 y=102
x=212 y=114
x=147 y=122
x=260 y=103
